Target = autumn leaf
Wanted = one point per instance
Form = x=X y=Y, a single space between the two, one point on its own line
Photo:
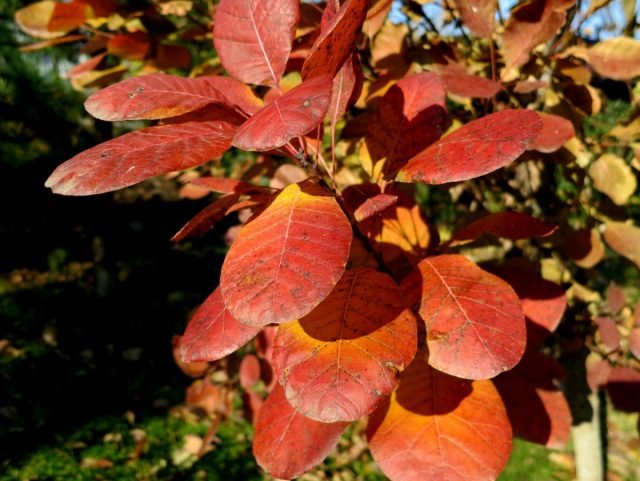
x=346 y=87
x=623 y=386
x=286 y=444
x=537 y=408
x=374 y=205
x=612 y=176
x=478 y=15
x=341 y=360
x=131 y=46
x=460 y=82
x=67 y=16
x=616 y=58
x=409 y=117
x=556 y=131
x=510 y=225
x=136 y=156
x=475 y=324
x=34 y=19
x=288 y=258
x=206 y=218
x=439 y=427
x=529 y=25
x=475 y=149
x=335 y=43
x=155 y=96
x=213 y=332
x=624 y=239
x=295 y=113
x=585 y=247
x=253 y=38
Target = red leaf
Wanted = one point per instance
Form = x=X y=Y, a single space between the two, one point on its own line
x=341 y=360
x=288 y=258
x=286 y=444
x=475 y=149
x=409 y=118
x=537 y=409
x=437 y=427
x=334 y=44
x=463 y=84
x=543 y=302
x=206 y=218
x=136 y=156
x=224 y=185
x=555 y=132
x=511 y=225
x=531 y=24
x=608 y=333
x=213 y=333
x=253 y=38
x=623 y=386
x=478 y=15
x=295 y=113
x=374 y=205
x=346 y=87
x=475 y=324
x=155 y=96
x=85 y=67
x=132 y=46
x=67 y=16
x=249 y=371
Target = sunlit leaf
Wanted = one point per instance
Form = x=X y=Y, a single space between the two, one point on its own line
x=478 y=15
x=612 y=176
x=475 y=149
x=286 y=444
x=213 y=333
x=378 y=11
x=287 y=259
x=624 y=239
x=460 y=82
x=334 y=44
x=374 y=205
x=346 y=88
x=253 y=38
x=67 y=16
x=136 y=156
x=437 y=427
x=34 y=19
x=475 y=324
x=617 y=58
x=295 y=113
x=155 y=96
x=529 y=25
x=338 y=362
x=556 y=131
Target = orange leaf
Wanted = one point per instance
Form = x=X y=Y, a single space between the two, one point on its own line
x=624 y=239
x=213 y=332
x=67 y=16
x=437 y=427
x=475 y=324
x=288 y=258
x=287 y=444
x=339 y=361
x=374 y=205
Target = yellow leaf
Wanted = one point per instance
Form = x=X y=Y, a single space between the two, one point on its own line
x=613 y=177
